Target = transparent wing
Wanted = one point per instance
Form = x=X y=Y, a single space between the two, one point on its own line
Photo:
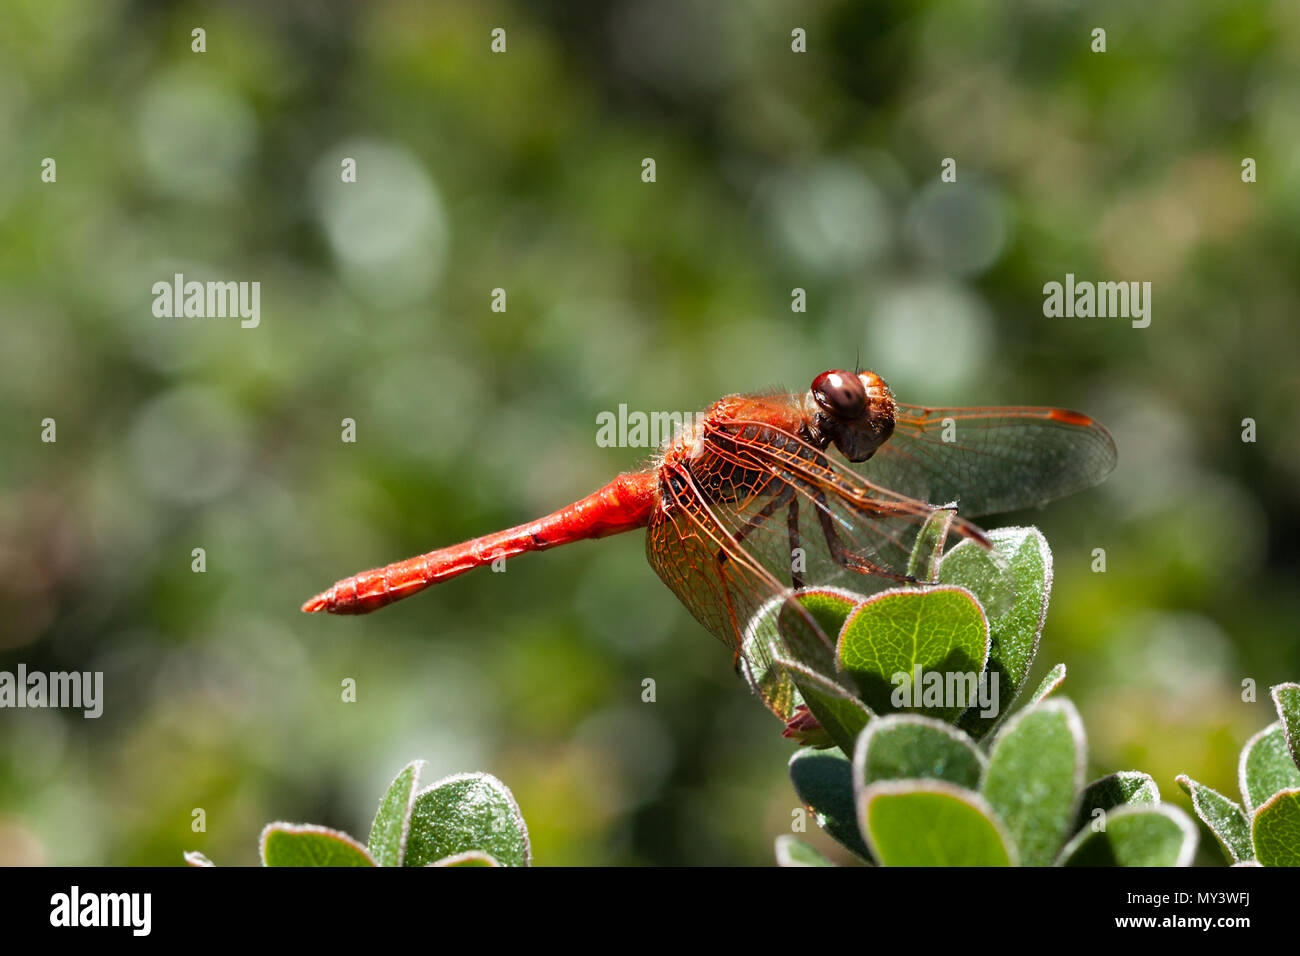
x=729 y=589
x=991 y=460
x=759 y=514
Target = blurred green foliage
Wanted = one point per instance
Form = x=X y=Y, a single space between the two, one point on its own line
x=521 y=171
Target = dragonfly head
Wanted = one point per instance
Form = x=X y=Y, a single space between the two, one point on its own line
x=855 y=411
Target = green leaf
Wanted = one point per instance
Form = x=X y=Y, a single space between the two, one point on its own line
x=823 y=779
x=1116 y=790
x=1135 y=836
x=912 y=747
x=791 y=851
x=768 y=678
x=468 y=858
x=1225 y=818
x=931 y=823
x=830 y=607
x=1055 y=677
x=1286 y=698
x=463 y=812
x=388 y=833
x=923 y=564
x=1013 y=584
x=195 y=858
x=304 y=844
x=1275 y=831
x=767 y=665
x=939 y=630
x=841 y=717
x=1034 y=775
x=1266 y=766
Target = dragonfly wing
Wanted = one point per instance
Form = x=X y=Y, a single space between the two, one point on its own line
x=729 y=590
x=851 y=532
x=759 y=514
x=991 y=460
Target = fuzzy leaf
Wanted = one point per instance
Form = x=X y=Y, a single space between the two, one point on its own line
x=464 y=812
x=777 y=682
x=841 y=717
x=931 y=823
x=304 y=844
x=1266 y=766
x=1225 y=818
x=1034 y=775
x=195 y=858
x=1135 y=836
x=823 y=779
x=771 y=682
x=1275 y=831
x=388 y=833
x=1013 y=584
x=1116 y=790
x=928 y=546
x=830 y=607
x=940 y=630
x=468 y=858
x=1286 y=698
x=791 y=851
x=911 y=747
x=1055 y=677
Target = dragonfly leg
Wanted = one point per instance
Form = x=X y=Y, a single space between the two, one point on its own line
x=842 y=557
x=792 y=522
x=959 y=524
x=786 y=494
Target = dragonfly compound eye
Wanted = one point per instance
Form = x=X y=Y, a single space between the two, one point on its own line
x=840 y=394
x=855 y=412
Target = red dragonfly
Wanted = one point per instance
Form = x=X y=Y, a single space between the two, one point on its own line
x=747 y=505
